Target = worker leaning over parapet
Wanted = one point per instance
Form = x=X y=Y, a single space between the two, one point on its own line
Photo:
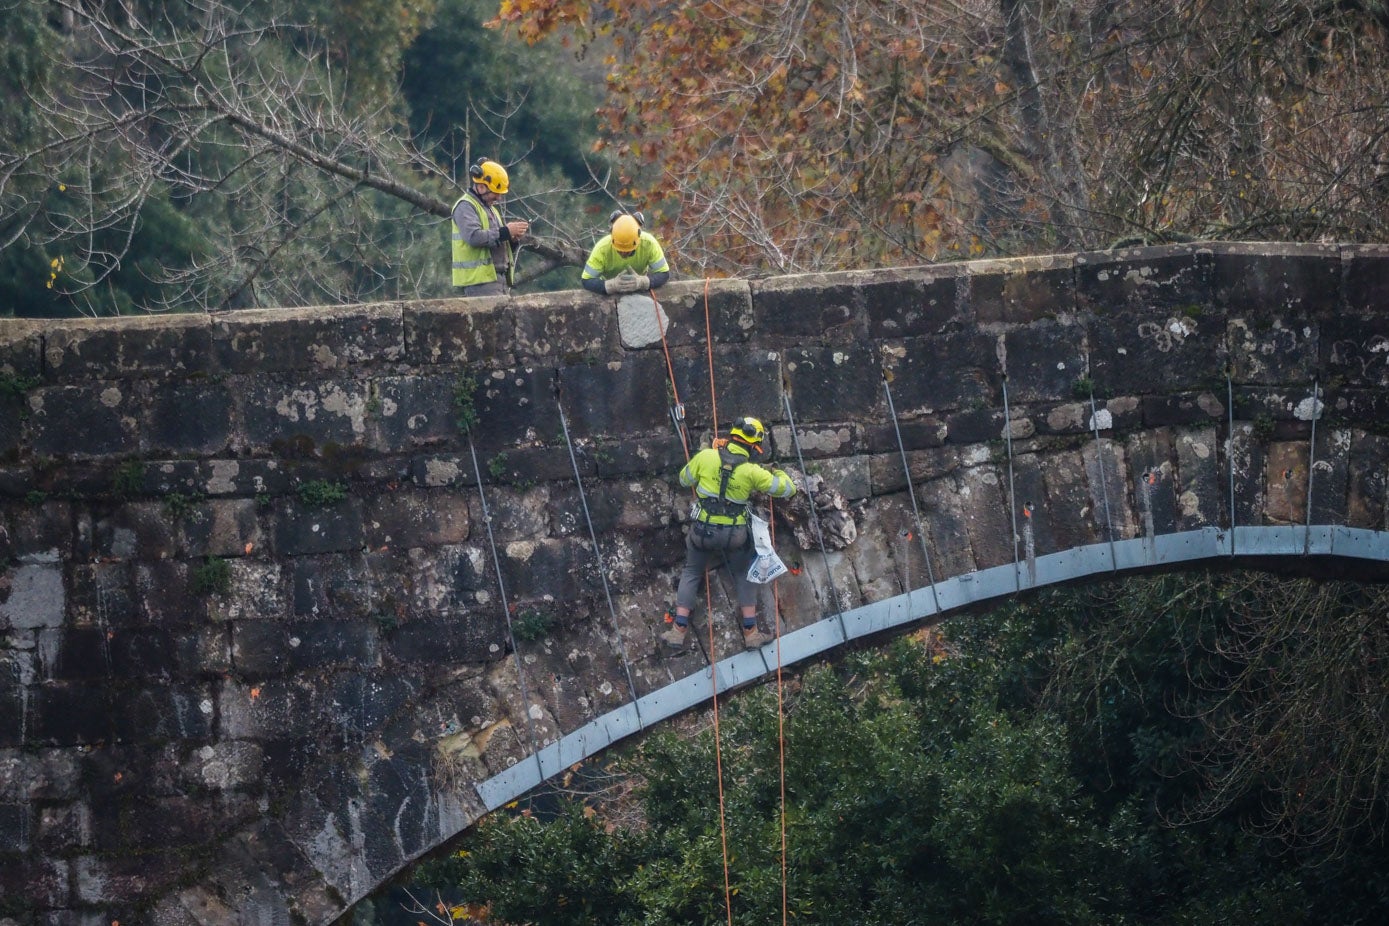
x=484 y=247
x=626 y=260
x=724 y=478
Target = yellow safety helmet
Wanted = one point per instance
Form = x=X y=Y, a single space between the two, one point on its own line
x=626 y=231
x=492 y=175
x=748 y=430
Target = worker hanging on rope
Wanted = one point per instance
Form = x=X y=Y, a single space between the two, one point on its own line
x=627 y=260
x=484 y=247
x=724 y=477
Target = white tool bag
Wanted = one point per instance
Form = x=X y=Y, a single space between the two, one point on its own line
x=767 y=565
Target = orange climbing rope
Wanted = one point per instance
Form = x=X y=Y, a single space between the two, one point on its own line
x=678 y=416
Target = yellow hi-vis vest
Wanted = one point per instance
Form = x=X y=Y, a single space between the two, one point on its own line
x=472 y=266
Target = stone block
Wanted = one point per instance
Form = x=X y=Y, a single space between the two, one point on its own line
x=515 y=407
x=1364 y=278
x=623 y=398
x=21 y=348
x=106 y=348
x=1044 y=361
x=911 y=301
x=186 y=418
x=64 y=830
x=144 y=653
x=1246 y=460
x=639 y=457
x=39 y=533
x=459 y=331
x=332 y=529
x=552 y=569
x=125 y=879
x=252 y=478
x=475 y=636
x=1274 y=352
x=834 y=383
x=694 y=314
x=635 y=506
x=1020 y=290
x=276 y=713
x=32 y=597
x=1106 y=463
x=16 y=828
x=409 y=412
x=1355 y=348
x=35 y=883
x=1329 y=478
x=976 y=426
x=256 y=592
x=1201 y=481
x=941 y=373
x=1154 y=476
x=164 y=593
x=305 y=419
x=1163 y=280
x=1271 y=280
x=1367 y=482
x=336 y=586
x=261 y=341
x=443 y=471
x=415 y=518
x=551 y=328
x=162 y=713
x=1132 y=353
x=809 y=308
x=1183 y=409
x=914 y=434
x=136 y=530
x=84 y=422
x=748 y=382
x=70 y=713
x=262 y=648
x=48 y=775
x=167 y=823
x=886 y=474
x=223 y=528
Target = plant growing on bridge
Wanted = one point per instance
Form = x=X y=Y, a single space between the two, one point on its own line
x=465 y=403
x=320 y=493
x=212 y=577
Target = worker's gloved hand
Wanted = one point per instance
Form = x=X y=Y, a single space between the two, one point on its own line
x=626 y=282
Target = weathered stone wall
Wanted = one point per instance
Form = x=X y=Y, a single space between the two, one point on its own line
x=254 y=649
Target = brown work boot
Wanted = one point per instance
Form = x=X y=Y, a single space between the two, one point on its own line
x=676 y=636
x=754 y=638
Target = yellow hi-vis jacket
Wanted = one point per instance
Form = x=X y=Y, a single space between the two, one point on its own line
x=474 y=265
x=705 y=473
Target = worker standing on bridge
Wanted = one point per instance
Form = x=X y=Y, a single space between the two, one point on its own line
x=484 y=247
x=627 y=260
x=724 y=477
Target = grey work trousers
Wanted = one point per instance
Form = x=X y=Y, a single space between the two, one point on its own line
x=705 y=550
x=494 y=288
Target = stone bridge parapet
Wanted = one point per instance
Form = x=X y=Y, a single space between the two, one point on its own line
x=281 y=591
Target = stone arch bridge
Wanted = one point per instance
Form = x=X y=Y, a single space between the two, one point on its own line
x=273 y=624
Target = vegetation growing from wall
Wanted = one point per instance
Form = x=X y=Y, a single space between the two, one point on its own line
x=1176 y=750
